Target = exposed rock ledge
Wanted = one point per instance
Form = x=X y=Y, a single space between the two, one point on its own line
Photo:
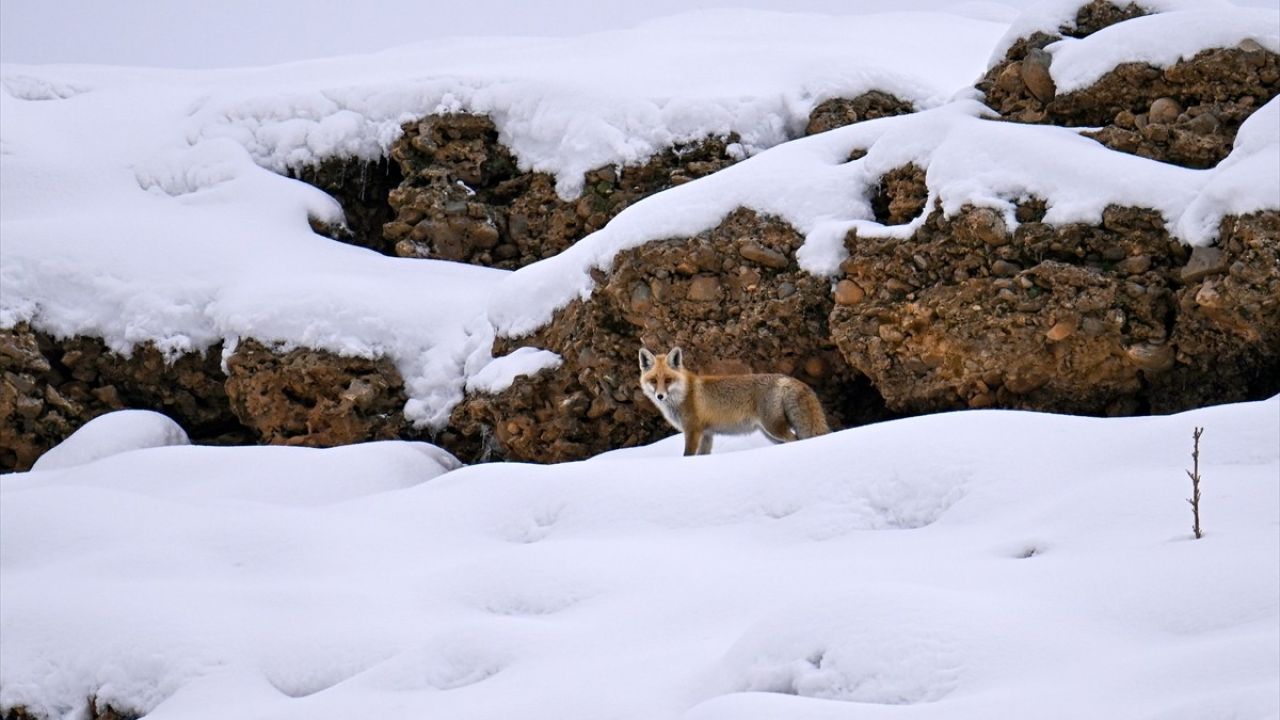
x=1116 y=319
x=1186 y=114
x=452 y=191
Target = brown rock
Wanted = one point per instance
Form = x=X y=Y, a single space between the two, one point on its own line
x=1034 y=72
x=779 y=326
x=705 y=288
x=848 y=292
x=1004 y=268
x=1224 y=86
x=1135 y=265
x=1062 y=330
x=40 y=406
x=838 y=112
x=1205 y=261
x=762 y=255
x=461 y=196
x=1149 y=357
x=901 y=196
x=1164 y=110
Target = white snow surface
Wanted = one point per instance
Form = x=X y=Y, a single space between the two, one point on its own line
x=1021 y=565
x=112 y=434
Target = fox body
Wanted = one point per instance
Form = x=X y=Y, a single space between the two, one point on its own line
x=702 y=406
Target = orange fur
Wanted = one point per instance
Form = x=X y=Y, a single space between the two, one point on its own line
x=702 y=406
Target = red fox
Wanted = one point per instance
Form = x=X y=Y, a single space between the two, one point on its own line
x=701 y=406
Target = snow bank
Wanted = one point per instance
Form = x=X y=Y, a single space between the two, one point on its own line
x=569 y=105
x=1027 y=565
x=112 y=434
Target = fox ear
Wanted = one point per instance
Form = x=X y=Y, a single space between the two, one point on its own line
x=646 y=360
x=675 y=358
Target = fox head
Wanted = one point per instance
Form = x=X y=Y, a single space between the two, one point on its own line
x=663 y=377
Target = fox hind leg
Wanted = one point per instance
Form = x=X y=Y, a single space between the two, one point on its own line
x=777 y=430
x=804 y=413
x=704 y=446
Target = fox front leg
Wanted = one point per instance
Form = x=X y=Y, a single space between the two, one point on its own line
x=692 y=441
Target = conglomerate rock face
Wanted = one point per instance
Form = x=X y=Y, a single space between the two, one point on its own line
x=732 y=297
x=1187 y=114
x=451 y=191
x=1074 y=317
x=464 y=199
x=838 y=112
x=1227 y=332
x=49 y=387
x=313 y=397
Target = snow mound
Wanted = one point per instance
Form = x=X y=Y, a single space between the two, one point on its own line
x=111 y=434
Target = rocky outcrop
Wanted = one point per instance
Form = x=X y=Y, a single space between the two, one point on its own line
x=1113 y=319
x=838 y=112
x=313 y=397
x=1226 y=335
x=1072 y=318
x=463 y=197
x=732 y=297
x=450 y=190
x=49 y=387
x=901 y=195
x=1109 y=319
x=1187 y=114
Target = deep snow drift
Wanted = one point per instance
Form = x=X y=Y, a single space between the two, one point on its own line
x=1024 y=566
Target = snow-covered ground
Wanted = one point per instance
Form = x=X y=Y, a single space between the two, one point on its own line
x=970 y=565
x=1029 y=566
